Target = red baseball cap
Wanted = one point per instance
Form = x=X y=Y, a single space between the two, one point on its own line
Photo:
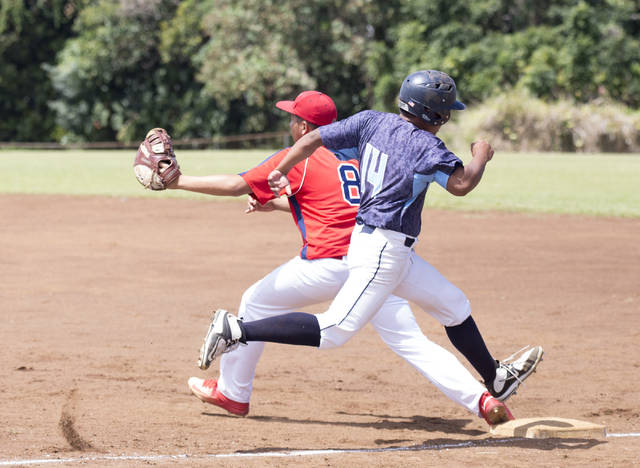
x=312 y=106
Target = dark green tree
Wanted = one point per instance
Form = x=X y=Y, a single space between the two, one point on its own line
x=128 y=69
x=201 y=68
x=572 y=48
x=190 y=112
x=31 y=34
x=260 y=52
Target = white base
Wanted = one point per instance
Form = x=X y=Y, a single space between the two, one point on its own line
x=550 y=427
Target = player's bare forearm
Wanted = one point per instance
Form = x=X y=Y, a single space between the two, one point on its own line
x=277 y=204
x=280 y=204
x=301 y=150
x=464 y=179
x=231 y=185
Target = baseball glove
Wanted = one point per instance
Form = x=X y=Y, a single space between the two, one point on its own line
x=156 y=165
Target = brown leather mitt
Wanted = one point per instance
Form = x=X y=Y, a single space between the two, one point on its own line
x=156 y=165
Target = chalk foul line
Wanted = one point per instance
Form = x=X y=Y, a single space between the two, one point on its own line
x=291 y=453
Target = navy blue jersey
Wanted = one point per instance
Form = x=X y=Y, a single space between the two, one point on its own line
x=398 y=161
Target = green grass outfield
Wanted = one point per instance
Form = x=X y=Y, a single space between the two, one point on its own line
x=587 y=184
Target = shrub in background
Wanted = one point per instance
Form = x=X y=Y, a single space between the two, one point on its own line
x=515 y=121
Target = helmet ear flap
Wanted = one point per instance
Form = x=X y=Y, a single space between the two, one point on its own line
x=430 y=116
x=437 y=118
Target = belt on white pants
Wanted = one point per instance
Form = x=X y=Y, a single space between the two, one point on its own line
x=368 y=229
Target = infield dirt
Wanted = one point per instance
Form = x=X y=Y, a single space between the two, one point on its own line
x=105 y=301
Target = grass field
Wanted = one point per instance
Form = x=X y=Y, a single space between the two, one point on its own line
x=598 y=184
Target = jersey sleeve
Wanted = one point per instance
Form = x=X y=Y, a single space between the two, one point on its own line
x=444 y=163
x=346 y=154
x=344 y=133
x=256 y=178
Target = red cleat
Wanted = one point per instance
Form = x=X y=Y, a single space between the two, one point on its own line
x=493 y=411
x=207 y=391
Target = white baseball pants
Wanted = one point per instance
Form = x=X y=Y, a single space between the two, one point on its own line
x=300 y=283
x=381 y=264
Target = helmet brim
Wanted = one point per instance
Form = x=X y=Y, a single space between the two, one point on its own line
x=458 y=106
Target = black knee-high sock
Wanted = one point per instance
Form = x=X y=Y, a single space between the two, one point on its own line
x=296 y=328
x=467 y=339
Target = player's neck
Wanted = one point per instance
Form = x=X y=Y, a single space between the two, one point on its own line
x=421 y=124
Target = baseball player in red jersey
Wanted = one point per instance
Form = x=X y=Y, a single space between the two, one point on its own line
x=324 y=198
x=400 y=157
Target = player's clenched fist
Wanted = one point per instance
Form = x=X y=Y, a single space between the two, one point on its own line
x=277 y=182
x=483 y=149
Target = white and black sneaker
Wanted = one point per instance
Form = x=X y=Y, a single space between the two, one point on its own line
x=509 y=375
x=224 y=335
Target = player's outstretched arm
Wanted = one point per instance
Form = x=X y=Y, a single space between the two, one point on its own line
x=464 y=179
x=231 y=185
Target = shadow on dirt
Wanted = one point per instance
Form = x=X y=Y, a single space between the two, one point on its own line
x=428 y=424
x=535 y=444
x=382 y=422
x=450 y=444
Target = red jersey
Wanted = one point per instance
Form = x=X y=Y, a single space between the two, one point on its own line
x=324 y=201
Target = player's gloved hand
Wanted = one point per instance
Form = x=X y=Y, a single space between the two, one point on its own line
x=155 y=165
x=278 y=182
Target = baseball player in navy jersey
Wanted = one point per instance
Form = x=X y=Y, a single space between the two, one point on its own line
x=324 y=201
x=400 y=156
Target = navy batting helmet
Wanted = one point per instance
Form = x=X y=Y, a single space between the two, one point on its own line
x=430 y=95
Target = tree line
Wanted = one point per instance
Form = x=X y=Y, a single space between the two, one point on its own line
x=107 y=70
